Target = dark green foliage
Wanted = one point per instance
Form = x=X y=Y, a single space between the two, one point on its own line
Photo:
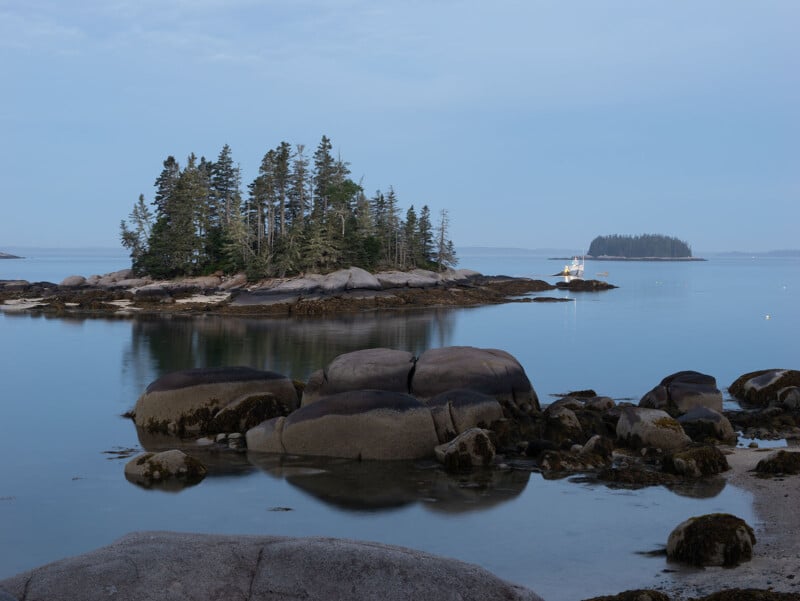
x=646 y=245
x=294 y=219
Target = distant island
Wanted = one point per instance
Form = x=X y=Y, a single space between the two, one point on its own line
x=642 y=247
x=8 y=256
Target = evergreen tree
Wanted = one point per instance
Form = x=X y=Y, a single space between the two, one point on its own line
x=136 y=239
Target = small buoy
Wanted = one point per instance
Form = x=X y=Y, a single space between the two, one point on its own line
x=767 y=316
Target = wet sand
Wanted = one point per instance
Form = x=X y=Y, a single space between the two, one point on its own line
x=776 y=554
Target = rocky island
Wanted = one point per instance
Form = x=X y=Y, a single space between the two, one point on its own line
x=345 y=290
x=8 y=256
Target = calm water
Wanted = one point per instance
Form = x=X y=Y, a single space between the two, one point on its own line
x=67 y=381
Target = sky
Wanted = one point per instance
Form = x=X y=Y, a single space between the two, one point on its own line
x=535 y=124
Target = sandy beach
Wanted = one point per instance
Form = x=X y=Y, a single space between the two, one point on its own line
x=776 y=555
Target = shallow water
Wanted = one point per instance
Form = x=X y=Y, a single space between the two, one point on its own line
x=66 y=382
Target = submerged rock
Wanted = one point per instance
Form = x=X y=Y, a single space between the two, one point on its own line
x=717 y=539
x=170 y=469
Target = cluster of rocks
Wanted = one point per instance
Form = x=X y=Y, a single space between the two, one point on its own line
x=466 y=406
x=345 y=290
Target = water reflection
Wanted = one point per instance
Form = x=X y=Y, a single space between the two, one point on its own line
x=294 y=347
x=385 y=485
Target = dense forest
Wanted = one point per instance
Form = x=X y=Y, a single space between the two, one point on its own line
x=298 y=215
x=646 y=245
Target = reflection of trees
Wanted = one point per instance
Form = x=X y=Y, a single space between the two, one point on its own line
x=291 y=346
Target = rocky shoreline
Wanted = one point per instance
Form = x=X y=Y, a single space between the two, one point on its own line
x=349 y=290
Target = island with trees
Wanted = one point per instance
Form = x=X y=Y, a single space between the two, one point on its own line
x=298 y=215
x=642 y=247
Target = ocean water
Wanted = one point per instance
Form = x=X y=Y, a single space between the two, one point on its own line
x=67 y=382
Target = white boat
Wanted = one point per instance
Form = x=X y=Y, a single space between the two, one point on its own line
x=574 y=270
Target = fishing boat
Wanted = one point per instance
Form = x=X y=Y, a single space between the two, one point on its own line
x=575 y=269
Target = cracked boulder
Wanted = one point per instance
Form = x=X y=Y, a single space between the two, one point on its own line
x=489 y=371
x=209 y=400
x=683 y=391
x=179 y=566
x=456 y=411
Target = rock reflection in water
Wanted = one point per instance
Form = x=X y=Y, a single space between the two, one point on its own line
x=294 y=347
x=383 y=485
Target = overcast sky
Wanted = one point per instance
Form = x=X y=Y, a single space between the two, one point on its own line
x=536 y=124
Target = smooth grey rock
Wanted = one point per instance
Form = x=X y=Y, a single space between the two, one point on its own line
x=701 y=423
x=73 y=281
x=789 y=397
x=365 y=424
x=266 y=437
x=561 y=424
x=376 y=368
x=187 y=401
x=147 y=566
x=682 y=392
x=490 y=371
x=641 y=427
x=418 y=278
x=473 y=448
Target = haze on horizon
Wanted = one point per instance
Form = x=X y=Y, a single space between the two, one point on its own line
x=537 y=125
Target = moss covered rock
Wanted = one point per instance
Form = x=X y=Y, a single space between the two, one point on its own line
x=717 y=539
x=781 y=462
x=696 y=461
x=168 y=469
x=635 y=595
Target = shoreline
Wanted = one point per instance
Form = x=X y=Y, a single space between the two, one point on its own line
x=345 y=291
x=775 y=565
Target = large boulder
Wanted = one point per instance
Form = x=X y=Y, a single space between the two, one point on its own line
x=165 y=565
x=682 y=392
x=639 y=427
x=73 y=281
x=490 y=371
x=353 y=278
x=375 y=368
x=418 y=278
x=172 y=469
x=189 y=401
x=765 y=386
x=360 y=424
x=717 y=539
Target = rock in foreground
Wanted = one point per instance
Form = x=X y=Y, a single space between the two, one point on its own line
x=717 y=539
x=176 y=566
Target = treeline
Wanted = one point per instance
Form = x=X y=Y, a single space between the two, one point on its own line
x=298 y=215
x=645 y=245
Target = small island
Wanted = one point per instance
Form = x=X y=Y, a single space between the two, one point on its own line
x=645 y=247
x=8 y=256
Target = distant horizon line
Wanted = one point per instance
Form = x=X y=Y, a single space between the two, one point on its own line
x=466 y=248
